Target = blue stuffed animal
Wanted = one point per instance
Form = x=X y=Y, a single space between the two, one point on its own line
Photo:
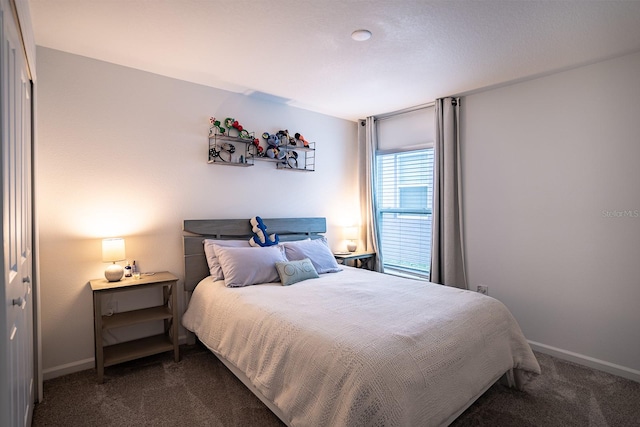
x=273 y=142
x=260 y=237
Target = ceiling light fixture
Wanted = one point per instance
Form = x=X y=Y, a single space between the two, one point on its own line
x=361 y=35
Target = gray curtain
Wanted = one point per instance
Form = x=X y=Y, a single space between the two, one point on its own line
x=447 y=251
x=368 y=142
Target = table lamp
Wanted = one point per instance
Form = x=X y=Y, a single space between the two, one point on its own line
x=351 y=234
x=112 y=251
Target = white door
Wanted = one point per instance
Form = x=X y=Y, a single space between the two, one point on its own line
x=16 y=316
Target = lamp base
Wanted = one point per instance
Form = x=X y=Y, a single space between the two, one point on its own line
x=114 y=272
x=352 y=246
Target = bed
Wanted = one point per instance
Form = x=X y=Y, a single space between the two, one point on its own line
x=351 y=347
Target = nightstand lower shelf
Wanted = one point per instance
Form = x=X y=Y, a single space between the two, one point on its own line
x=127 y=318
x=130 y=350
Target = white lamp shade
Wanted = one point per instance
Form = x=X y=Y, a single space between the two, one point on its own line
x=113 y=250
x=351 y=232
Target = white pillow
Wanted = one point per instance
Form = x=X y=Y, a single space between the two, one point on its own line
x=249 y=266
x=212 y=258
x=316 y=250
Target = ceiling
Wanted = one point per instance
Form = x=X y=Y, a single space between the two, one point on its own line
x=300 y=52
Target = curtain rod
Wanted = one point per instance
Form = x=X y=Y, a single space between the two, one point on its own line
x=403 y=111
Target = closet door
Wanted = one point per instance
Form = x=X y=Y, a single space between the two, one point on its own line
x=16 y=314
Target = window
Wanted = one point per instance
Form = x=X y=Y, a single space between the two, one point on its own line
x=412 y=198
x=405 y=193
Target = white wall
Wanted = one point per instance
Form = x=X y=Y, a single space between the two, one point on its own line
x=123 y=152
x=544 y=161
x=547 y=164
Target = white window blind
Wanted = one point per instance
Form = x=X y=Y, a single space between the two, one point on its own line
x=405 y=194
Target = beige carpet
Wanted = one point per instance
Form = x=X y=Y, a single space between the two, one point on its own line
x=200 y=391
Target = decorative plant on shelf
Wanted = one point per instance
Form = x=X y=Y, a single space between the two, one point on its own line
x=232 y=123
x=215 y=125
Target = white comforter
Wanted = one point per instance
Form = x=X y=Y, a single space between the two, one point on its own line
x=358 y=348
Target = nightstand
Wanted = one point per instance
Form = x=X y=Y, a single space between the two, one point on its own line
x=108 y=355
x=363 y=259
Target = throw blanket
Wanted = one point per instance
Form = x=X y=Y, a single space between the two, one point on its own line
x=359 y=348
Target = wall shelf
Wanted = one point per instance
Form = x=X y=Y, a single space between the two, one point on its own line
x=230 y=151
x=297 y=158
x=238 y=151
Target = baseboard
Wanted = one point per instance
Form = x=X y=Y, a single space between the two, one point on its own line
x=68 y=368
x=81 y=365
x=581 y=359
x=601 y=365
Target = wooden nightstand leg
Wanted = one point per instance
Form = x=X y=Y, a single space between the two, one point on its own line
x=174 y=321
x=99 y=351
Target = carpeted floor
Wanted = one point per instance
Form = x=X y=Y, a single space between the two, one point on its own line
x=565 y=394
x=200 y=391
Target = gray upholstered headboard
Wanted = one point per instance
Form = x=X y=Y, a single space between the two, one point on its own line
x=196 y=230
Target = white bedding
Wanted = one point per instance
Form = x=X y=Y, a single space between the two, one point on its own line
x=358 y=348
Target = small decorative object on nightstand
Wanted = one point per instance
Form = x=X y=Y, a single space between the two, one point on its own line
x=364 y=259
x=168 y=312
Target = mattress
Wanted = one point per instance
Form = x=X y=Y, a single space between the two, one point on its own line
x=362 y=348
